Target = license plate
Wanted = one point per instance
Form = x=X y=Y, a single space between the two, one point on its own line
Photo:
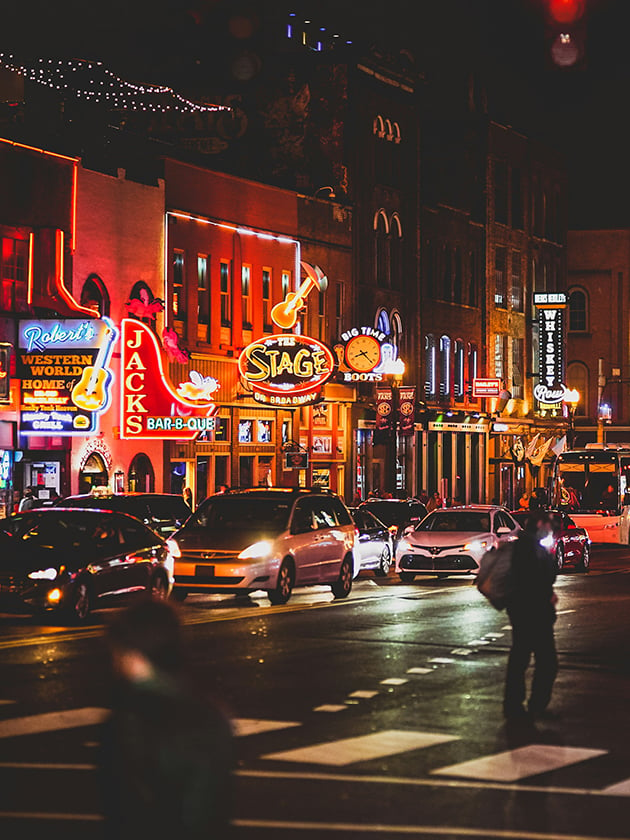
x=204 y=571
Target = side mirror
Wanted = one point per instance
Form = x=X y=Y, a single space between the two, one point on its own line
x=408 y=530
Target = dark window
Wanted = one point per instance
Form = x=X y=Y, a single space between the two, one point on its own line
x=516 y=285
x=457 y=275
x=203 y=296
x=13 y=274
x=226 y=295
x=473 y=281
x=500 y=192
x=266 y=299
x=500 y=278
x=577 y=311
x=179 y=289
x=517 y=199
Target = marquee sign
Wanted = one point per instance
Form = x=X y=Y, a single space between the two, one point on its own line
x=486 y=387
x=150 y=406
x=365 y=354
x=286 y=370
x=66 y=381
x=550 y=388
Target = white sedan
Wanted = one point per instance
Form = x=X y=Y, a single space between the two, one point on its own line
x=452 y=541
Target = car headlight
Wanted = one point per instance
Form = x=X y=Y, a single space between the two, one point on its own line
x=44 y=574
x=173 y=548
x=547 y=542
x=256 y=551
x=477 y=545
x=404 y=545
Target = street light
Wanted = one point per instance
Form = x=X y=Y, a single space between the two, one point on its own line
x=571 y=399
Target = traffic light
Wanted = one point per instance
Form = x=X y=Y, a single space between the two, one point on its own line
x=566 y=32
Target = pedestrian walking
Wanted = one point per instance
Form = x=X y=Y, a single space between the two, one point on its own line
x=434 y=502
x=531 y=610
x=166 y=754
x=28 y=500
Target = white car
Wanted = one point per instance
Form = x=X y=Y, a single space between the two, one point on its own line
x=452 y=541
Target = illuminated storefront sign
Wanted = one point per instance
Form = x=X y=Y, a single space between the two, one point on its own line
x=150 y=406
x=550 y=388
x=65 y=376
x=365 y=354
x=486 y=387
x=286 y=370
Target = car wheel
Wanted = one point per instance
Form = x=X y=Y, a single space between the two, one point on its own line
x=559 y=556
x=159 y=587
x=284 y=585
x=384 y=562
x=342 y=586
x=586 y=558
x=406 y=577
x=179 y=595
x=80 y=602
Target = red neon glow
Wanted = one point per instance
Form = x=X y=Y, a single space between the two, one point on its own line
x=150 y=406
x=59 y=283
x=29 y=275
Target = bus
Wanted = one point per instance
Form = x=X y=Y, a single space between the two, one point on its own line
x=593 y=485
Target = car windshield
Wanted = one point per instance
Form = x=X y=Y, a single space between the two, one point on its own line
x=391 y=513
x=462 y=520
x=55 y=530
x=234 y=513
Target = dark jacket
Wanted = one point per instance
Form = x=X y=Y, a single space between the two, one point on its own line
x=166 y=765
x=533 y=576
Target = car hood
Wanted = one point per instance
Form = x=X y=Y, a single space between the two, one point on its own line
x=199 y=539
x=440 y=538
x=19 y=559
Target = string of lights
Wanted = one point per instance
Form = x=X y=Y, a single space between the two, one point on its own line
x=92 y=81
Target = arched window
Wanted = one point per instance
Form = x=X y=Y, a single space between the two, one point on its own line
x=378 y=127
x=94 y=295
x=381 y=243
x=396 y=331
x=430 y=367
x=445 y=366
x=382 y=322
x=141 y=476
x=395 y=251
x=577 y=377
x=578 y=311
x=459 y=372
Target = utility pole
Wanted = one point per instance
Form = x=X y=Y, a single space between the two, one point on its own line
x=601 y=383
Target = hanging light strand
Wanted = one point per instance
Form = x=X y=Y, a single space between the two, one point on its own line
x=92 y=81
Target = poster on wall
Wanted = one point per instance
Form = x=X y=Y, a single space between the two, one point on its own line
x=65 y=375
x=384 y=409
x=151 y=406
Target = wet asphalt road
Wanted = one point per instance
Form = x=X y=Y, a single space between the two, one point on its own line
x=379 y=716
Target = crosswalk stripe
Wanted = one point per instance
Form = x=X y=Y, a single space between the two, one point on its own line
x=619 y=789
x=362 y=748
x=254 y=726
x=51 y=721
x=512 y=765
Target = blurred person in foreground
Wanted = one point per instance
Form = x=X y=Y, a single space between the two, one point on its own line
x=166 y=755
x=532 y=613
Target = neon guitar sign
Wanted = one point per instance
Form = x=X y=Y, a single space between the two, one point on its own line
x=285 y=313
x=92 y=391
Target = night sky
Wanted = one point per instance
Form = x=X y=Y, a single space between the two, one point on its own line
x=583 y=112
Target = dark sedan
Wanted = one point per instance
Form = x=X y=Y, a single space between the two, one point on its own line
x=397 y=514
x=569 y=544
x=164 y=512
x=78 y=560
x=376 y=545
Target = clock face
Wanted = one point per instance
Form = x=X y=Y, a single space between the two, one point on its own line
x=363 y=353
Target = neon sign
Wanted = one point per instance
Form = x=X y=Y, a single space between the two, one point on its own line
x=550 y=388
x=66 y=381
x=365 y=355
x=286 y=370
x=150 y=406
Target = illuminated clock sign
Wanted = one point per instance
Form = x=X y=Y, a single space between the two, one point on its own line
x=286 y=370
x=151 y=408
x=66 y=381
x=365 y=354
